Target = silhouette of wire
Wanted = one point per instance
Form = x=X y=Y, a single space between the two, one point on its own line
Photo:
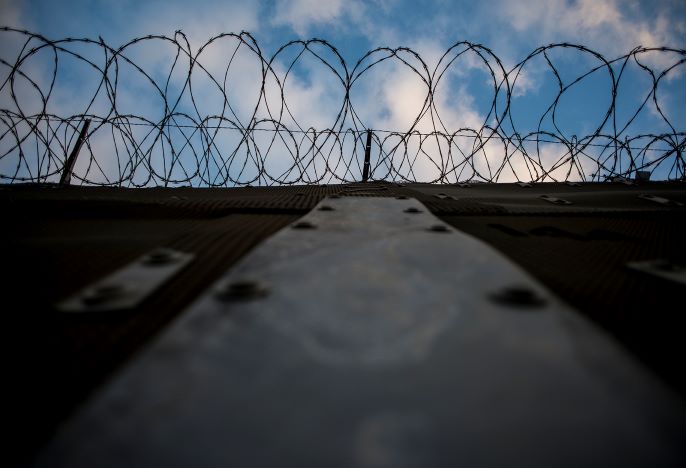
x=173 y=117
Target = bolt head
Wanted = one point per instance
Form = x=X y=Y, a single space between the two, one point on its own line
x=160 y=257
x=439 y=228
x=245 y=289
x=518 y=297
x=304 y=225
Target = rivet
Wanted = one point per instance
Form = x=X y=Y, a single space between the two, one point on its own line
x=326 y=208
x=304 y=225
x=241 y=290
x=159 y=257
x=439 y=228
x=413 y=210
x=518 y=296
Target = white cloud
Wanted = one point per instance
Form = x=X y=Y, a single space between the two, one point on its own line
x=199 y=22
x=349 y=16
x=302 y=14
x=611 y=26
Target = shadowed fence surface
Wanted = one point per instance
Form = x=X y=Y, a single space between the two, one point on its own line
x=164 y=113
x=64 y=238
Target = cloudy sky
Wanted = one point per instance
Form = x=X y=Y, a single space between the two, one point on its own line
x=508 y=26
x=389 y=95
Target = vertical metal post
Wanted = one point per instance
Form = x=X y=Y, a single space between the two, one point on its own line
x=367 y=154
x=71 y=160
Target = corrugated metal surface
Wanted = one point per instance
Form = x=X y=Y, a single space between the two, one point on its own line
x=57 y=240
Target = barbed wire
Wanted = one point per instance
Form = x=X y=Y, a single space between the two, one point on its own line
x=178 y=117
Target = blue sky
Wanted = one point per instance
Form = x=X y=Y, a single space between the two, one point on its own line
x=389 y=96
x=508 y=26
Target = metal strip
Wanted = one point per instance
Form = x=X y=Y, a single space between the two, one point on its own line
x=367 y=155
x=369 y=333
x=130 y=285
x=65 y=178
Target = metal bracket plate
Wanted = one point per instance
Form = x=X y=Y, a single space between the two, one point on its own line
x=130 y=285
x=445 y=196
x=370 y=333
x=660 y=200
x=662 y=269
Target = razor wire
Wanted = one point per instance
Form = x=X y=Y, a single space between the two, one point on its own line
x=179 y=141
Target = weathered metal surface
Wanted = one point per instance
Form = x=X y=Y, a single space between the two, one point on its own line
x=130 y=285
x=370 y=334
x=548 y=198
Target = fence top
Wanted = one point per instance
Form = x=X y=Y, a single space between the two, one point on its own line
x=178 y=117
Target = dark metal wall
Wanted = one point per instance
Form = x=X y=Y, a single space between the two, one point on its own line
x=57 y=240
